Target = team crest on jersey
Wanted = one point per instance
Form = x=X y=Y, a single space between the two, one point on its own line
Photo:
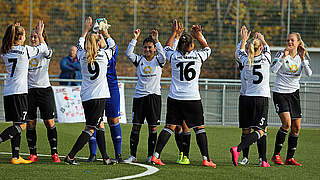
x=293 y=68
x=147 y=70
x=34 y=62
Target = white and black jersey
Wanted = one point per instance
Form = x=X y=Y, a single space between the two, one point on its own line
x=242 y=68
x=17 y=61
x=94 y=80
x=288 y=72
x=257 y=75
x=38 y=76
x=148 y=72
x=185 y=72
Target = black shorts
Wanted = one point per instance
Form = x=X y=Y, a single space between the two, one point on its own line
x=16 y=107
x=42 y=98
x=93 y=112
x=191 y=111
x=147 y=107
x=288 y=102
x=254 y=112
x=241 y=110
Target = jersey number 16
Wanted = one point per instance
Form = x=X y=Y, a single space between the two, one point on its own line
x=186 y=72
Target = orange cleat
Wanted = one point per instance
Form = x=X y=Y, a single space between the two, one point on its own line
x=292 y=161
x=156 y=161
x=277 y=159
x=208 y=163
x=20 y=161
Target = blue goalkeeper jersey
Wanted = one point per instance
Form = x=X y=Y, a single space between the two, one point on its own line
x=111 y=73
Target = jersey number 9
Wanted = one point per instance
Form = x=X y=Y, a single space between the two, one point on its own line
x=94 y=71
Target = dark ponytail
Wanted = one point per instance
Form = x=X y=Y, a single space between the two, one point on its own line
x=10 y=36
x=184 y=43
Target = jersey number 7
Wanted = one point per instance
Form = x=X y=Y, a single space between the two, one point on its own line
x=14 y=61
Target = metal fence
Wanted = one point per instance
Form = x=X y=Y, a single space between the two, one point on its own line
x=219 y=99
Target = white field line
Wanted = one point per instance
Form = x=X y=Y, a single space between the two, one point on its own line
x=150 y=169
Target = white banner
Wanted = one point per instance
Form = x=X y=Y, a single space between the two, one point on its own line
x=69 y=105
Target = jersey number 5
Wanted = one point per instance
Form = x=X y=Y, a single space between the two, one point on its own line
x=14 y=61
x=186 y=71
x=259 y=74
x=94 y=71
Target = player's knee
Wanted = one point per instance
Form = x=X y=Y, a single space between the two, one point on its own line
x=21 y=127
x=31 y=124
x=49 y=123
x=295 y=130
x=112 y=121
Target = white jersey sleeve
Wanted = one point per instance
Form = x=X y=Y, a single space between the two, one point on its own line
x=134 y=58
x=161 y=57
x=306 y=68
x=242 y=70
x=169 y=52
x=175 y=44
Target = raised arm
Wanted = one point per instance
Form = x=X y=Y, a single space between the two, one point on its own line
x=196 y=32
x=132 y=56
x=42 y=48
x=161 y=57
x=87 y=26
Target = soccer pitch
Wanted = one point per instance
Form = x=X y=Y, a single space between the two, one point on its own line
x=220 y=139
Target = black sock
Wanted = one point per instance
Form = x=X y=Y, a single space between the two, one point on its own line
x=152 y=140
x=101 y=142
x=134 y=141
x=186 y=143
x=245 y=151
x=15 y=145
x=262 y=147
x=53 y=139
x=280 y=138
x=163 y=138
x=81 y=141
x=32 y=140
x=9 y=133
x=202 y=142
x=178 y=137
x=292 y=145
x=250 y=139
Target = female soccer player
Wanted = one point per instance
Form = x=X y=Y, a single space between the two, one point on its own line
x=184 y=101
x=288 y=65
x=112 y=112
x=16 y=57
x=242 y=116
x=94 y=56
x=254 y=103
x=40 y=95
x=147 y=96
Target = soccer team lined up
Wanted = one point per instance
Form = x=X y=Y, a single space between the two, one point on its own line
x=28 y=88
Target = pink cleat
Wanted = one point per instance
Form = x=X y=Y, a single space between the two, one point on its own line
x=208 y=163
x=277 y=159
x=157 y=161
x=265 y=164
x=235 y=155
x=33 y=158
x=292 y=161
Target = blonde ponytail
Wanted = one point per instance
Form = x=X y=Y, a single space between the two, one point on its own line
x=91 y=47
x=253 y=48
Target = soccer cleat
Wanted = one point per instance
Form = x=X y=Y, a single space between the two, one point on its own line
x=157 y=161
x=55 y=158
x=277 y=159
x=184 y=161
x=235 y=155
x=69 y=161
x=292 y=161
x=260 y=161
x=33 y=158
x=119 y=158
x=109 y=161
x=244 y=161
x=208 y=163
x=20 y=160
x=92 y=158
x=265 y=164
x=148 y=160
x=130 y=159
x=180 y=156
